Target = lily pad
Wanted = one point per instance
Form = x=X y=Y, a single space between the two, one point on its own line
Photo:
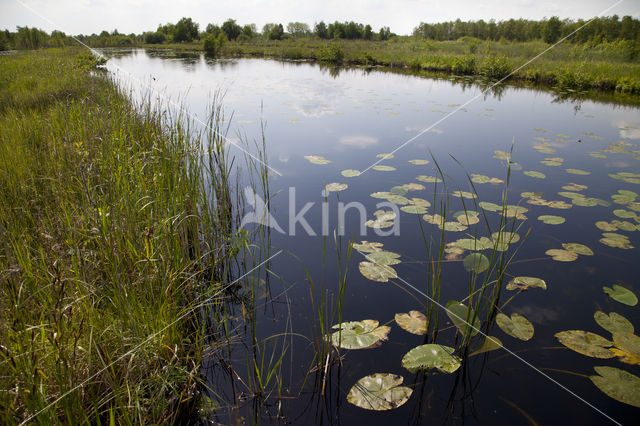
x=431 y=356
x=490 y=343
x=399 y=190
x=581 y=249
x=586 y=343
x=317 y=159
x=464 y=194
x=489 y=206
x=335 y=187
x=476 y=178
x=434 y=219
x=419 y=162
x=359 y=334
x=414 y=209
x=517 y=326
x=577 y=172
x=514 y=211
x=523 y=283
x=419 y=202
x=383 y=257
x=535 y=174
x=350 y=173
x=413 y=186
x=476 y=262
x=428 y=179
x=562 y=255
x=375 y=272
x=613 y=323
x=398 y=199
x=501 y=155
x=457 y=312
x=505 y=237
x=606 y=226
x=385 y=156
x=618 y=384
x=551 y=219
x=474 y=244
x=379 y=392
x=621 y=294
x=367 y=247
x=612 y=239
x=382 y=168
x=574 y=187
x=414 y=322
x=627 y=347
x=452 y=226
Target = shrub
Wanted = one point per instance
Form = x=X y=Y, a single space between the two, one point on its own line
x=332 y=53
x=495 y=67
x=154 y=38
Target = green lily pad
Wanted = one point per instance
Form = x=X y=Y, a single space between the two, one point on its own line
x=559 y=205
x=535 y=174
x=621 y=294
x=414 y=209
x=383 y=257
x=490 y=343
x=452 y=226
x=551 y=219
x=317 y=159
x=414 y=322
x=523 y=283
x=419 y=162
x=476 y=262
x=485 y=205
x=382 y=195
x=457 y=312
x=625 y=225
x=379 y=392
x=574 y=187
x=618 y=384
x=399 y=190
x=467 y=219
x=419 y=202
x=413 y=186
x=375 y=272
x=597 y=155
x=562 y=255
x=627 y=347
x=382 y=168
x=385 y=156
x=476 y=178
x=577 y=172
x=367 y=247
x=613 y=323
x=612 y=239
x=398 y=199
x=474 y=244
x=578 y=248
x=350 y=173
x=505 y=237
x=358 y=334
x=625 y=214
x=586 y=343
x=428 y=179
x=501 y=155
x=514 y=211
x=606 y=226
x=335 y=187
x=431 y=356
x=517 y=326
x=464 y=194
x=434 y=219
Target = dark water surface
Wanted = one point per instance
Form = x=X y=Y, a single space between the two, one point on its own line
x=348 y=117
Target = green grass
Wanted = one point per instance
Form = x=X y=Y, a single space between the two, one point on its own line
x=606 y=67
x=108 y=239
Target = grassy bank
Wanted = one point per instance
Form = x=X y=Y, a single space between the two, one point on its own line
x=108 y=241
x=608 y=67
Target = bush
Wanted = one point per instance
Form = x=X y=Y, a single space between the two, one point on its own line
x=213 y=45
x=154 y=38
x=332 y=53
x=495 y=67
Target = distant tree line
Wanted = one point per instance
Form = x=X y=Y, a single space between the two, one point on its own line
x=605 y=29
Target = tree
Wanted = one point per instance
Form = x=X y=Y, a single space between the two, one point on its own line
x=298 y=29
x=321 y=30
x=385 y=33
x=367 y=34
x=266 y=29
x=185 y=30
x=231 y=29
x=213 y=45
x=276 y=32
x=551 y=30
x=213 y=29
x=154 y=37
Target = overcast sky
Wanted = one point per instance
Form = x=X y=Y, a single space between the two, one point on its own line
x=93 y=16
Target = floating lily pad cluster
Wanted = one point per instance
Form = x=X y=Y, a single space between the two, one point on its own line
x=569 y=252
x=378 y=265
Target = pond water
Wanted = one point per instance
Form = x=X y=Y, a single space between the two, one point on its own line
x=349 y=117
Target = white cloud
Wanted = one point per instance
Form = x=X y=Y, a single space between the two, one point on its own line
x=359 y=141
